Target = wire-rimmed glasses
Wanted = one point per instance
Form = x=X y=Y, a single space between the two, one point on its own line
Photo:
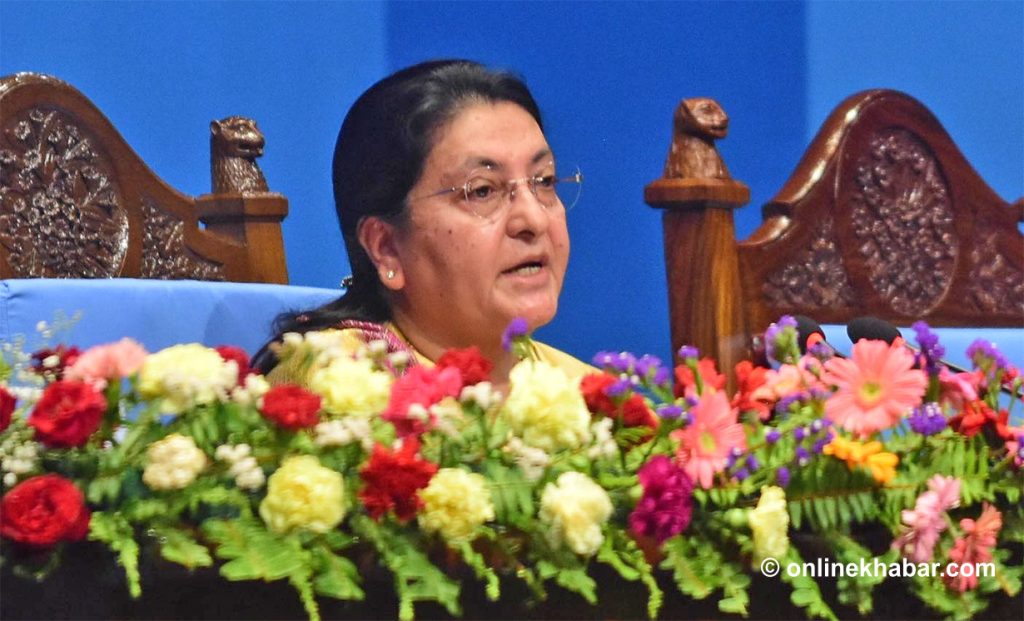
x=485 y=193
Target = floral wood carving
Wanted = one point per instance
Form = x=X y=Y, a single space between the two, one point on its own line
x=903 y=222
x=60 y=205
x=996 y=285
x=164 y=254
x=814 y=279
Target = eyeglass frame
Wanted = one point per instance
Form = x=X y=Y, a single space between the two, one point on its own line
x=508 y=189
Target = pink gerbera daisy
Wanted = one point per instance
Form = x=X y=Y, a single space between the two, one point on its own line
x=705 y=444
x=876 y=386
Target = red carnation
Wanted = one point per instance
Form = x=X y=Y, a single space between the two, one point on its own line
x=593 y=387
x=292 y=407
x=230 y=353
x=686 y=384
x=44 y=510
x=7 y=403
x=54 y=361
x=635 y=413
x=424 y=387
x=749 y=378
x=470 y=363
x=68 y=413
x=392 y=479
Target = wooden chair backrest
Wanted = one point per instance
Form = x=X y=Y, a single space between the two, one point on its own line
x=77 y=202
x=883 y=216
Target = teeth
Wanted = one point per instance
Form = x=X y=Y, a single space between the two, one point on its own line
x=527 y=270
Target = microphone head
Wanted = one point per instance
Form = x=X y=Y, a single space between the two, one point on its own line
x=873 y=329
x=806 y=329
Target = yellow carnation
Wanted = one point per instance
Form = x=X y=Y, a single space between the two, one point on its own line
x=173 y=463
x=455 y=504
x=352 y=386
x=545 y=408
x=186 y=375
x=303 y=494
x=769 y=522
x=575 y=507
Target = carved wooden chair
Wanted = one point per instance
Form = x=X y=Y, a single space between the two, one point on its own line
x=883 y=216
x=77 y=202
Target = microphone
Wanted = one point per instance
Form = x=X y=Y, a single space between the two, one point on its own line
x=873 y=328
x=809 y=334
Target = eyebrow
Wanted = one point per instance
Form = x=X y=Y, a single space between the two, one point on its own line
x=486 y=162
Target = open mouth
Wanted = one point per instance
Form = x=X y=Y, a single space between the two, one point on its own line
x=526 y=268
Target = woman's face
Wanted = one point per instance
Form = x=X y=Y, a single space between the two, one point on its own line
x=464 y=277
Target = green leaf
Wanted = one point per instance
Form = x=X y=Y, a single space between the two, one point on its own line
x=115 y=531
x=252 y=552
x=806 y=593
x=179 y=547
x=573 y=579
x=476 y=562
x=336 y=576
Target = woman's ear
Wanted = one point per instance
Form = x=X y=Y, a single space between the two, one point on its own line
x=380 y=241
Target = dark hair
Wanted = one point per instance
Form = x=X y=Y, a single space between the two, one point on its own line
x=381 y=148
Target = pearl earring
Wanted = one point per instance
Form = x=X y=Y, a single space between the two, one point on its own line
x=390 y=274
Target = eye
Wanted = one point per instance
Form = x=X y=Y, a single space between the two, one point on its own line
x=545 y=181
x=480 y=190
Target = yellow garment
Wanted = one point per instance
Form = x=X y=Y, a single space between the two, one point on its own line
x=290 y=372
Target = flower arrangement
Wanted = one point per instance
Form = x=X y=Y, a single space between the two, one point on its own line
x=190 y=451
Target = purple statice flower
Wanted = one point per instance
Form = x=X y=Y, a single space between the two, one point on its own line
x=752 y=463
x=802 y=456
x=661 y=377
x=691 y=402
x=686 y=352
x=927 y=419
x=817 y=425
x=822 y=351
x=829 y=436
x=671 y=412
x=619 y=387
x=782 y=476
x=981 y=350
x=819 y=445
x=517 y=328
x=666 y=506
x=772 y=436
x=741 y=474
x=780 y=337
x=787 y=401
x=604 y=359
x=799 y=434
x=624 y=362
x=931 y=349
x=730 y=461
x=647 y=365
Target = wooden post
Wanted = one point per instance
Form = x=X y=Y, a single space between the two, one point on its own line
x=254 y=221
x=701 y=265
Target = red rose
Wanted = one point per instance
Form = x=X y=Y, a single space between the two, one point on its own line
x=7 y=403
x=709 y=375
x=292 y=407
x=230 y=353
x=62 y=355
x=593 y=387
x=68 y=413
x=392 y=479
x=44 y=510
x=471 y=364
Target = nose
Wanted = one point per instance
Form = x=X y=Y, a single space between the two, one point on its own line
x=527 y=216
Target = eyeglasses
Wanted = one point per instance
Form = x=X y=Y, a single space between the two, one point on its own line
x=485 y=193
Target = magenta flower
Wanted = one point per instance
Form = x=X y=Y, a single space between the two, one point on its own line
x=927 y=520
x=666 y=506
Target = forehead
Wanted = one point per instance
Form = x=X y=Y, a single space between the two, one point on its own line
x=502 y=133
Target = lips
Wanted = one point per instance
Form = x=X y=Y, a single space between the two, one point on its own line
x=527 y=267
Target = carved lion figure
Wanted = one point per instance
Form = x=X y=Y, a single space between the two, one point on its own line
x=235 y=143
x=699 y=121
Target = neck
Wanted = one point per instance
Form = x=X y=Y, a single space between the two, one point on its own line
x=432 y=347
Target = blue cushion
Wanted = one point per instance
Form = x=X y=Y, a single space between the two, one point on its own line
x=157 y=313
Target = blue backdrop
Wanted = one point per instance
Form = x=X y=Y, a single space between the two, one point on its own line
x=607 y=74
